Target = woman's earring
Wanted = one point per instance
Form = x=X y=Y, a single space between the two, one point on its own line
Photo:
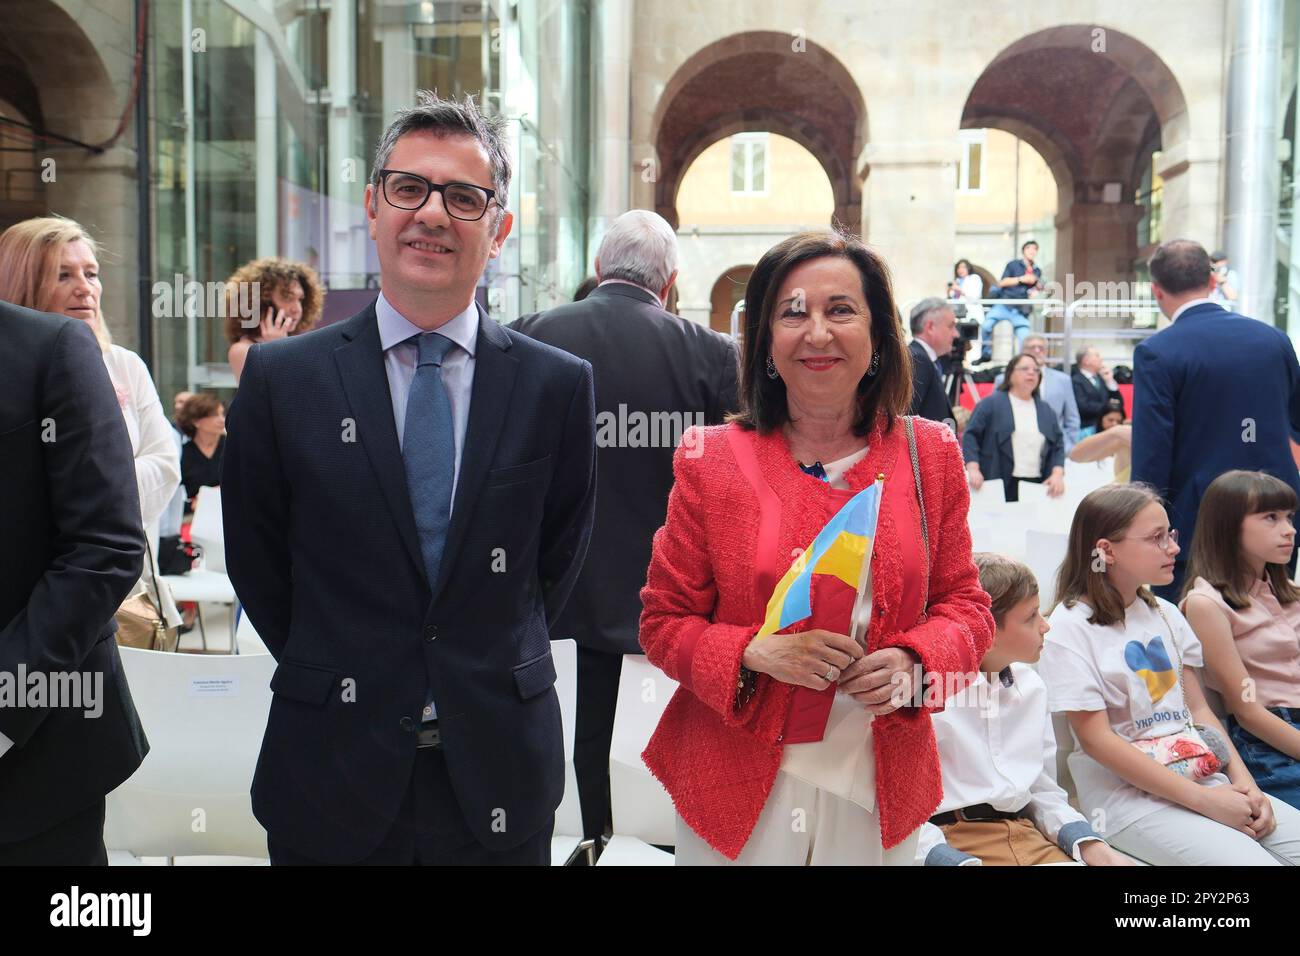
x=771 y=369
x=874 y=367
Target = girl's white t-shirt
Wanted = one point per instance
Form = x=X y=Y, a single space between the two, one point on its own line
x=1129 y=670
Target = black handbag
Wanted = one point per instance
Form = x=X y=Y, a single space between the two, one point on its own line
x=176 y=556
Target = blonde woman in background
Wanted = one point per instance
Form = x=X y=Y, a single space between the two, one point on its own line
x=51 y=264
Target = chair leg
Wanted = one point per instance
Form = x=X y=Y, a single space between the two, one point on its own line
x=203 y=631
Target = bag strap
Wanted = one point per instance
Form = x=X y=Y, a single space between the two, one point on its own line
x=1179 y=655
x=920 y=500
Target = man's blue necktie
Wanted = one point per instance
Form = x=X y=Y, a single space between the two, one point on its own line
x=429 y=453
x=938 y=367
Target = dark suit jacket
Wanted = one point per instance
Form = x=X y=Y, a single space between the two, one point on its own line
x=1090 y=398
x=71 y=549
x=662 y=371
x=322 y=549
x=929 y=400
x=1212 y=392
x=987 y=437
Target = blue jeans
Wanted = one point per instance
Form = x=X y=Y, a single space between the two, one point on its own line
x=1003 y=313
x=1277 y=774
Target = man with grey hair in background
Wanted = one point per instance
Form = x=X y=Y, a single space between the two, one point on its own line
x=656 y=373
x=933 y=325
x=408 y=496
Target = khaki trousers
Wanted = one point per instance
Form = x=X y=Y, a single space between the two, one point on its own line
x=1004 y=842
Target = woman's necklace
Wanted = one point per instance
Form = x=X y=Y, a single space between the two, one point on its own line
x=807 y=454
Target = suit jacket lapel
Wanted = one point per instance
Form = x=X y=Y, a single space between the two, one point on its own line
x=360 y=362
x=494 y=379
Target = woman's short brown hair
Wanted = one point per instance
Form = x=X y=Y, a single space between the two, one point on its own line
x=1216 y=546
x=272 y=275
x=1006 y=581
x=197 y=407
x=888 y=392
x=1104 y=513
x=1011 y=367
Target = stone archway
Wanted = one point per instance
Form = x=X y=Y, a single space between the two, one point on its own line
x=805 y=94
x=60 y=80
x=1094 y=103
x=726 y=292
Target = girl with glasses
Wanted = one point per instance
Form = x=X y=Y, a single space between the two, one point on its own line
x=1154 y=769
x=1245 y=610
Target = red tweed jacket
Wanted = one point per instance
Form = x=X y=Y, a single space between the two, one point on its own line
x=719 y=763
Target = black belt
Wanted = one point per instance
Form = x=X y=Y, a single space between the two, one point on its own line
x=428 y=735
x=979 y=813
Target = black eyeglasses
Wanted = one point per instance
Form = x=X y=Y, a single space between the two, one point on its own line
x=409 y=191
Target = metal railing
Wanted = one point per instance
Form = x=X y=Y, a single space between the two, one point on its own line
x=1050 y=308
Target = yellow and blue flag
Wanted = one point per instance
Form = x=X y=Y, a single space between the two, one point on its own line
x=838 y=551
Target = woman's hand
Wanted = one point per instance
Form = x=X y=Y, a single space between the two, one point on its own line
x=1097 y=853
x=882 y=681
x=974 y=475
x=275 y=326
x=1055 y=483
x=813 y=658
x=1227 y=805
x=1263 y=822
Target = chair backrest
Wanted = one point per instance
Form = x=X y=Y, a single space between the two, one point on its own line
x=641 y=807
x=1044 y=554
x=206 y=530
x=247 y=638
x=568 y=815
x=204 y=717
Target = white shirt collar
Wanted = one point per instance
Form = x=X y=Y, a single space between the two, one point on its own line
x=934 y=356
x=1191 y=305
x=395 y=328
x=634 y=285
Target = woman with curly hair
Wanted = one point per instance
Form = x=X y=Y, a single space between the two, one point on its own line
x=290 y=298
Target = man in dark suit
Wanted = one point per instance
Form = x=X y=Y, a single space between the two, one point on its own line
x=1213 y=391
x=661 y=373
x=1094 y=389
x=934 y=333
x=408 y=499
x=71 y=549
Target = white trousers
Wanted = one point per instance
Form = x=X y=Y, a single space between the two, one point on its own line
x=803 y=826
x=1177 y=836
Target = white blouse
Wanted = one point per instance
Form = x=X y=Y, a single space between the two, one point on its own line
x=157 y=464
x=1026 y=441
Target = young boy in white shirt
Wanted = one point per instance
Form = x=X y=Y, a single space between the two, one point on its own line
x=1001 y=803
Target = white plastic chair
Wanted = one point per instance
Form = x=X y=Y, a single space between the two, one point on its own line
x=1044 y=553
x=247 y=639
x=207 y=584
x=205 y=718
x=566 y=839
x=643 y=811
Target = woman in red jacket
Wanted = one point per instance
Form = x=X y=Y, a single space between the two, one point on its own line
x=804 y=746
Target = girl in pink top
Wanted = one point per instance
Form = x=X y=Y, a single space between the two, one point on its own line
x=1240 y=600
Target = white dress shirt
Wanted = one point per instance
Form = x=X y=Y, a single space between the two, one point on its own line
x=997 y=746
x=401 y=355
x=1192 y=305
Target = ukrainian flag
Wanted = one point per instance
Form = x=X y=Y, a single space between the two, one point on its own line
x=839 y=550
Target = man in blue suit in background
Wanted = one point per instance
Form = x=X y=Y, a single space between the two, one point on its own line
x=408 y=499
x=1212 y=392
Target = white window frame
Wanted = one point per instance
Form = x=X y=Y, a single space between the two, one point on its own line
x=746 y=142
x=967 y=138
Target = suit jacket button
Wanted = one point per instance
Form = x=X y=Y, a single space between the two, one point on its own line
x=430 y=633
x=406 y=723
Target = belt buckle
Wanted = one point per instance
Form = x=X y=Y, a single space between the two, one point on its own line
x=428 y=737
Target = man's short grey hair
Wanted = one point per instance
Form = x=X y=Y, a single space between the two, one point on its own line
x=443 y=117
x=923 y=310
x=1082 y=354
x=639 y=247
